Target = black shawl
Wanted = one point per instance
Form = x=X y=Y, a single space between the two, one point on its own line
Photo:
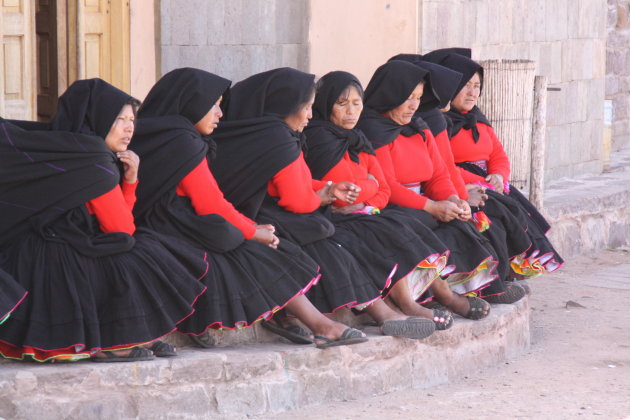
x=254 y=143
x=45 y=174
x=390 y=86
x=326 y=142
x=467 y=121
x=457 y=59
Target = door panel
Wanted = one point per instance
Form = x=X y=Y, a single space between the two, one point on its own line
x=47 y=58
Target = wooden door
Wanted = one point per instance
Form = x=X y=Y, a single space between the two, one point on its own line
x=17 y=59
x=47 y=58
x=98 y=34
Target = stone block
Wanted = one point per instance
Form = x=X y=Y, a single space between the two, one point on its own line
x=103 y=406
x=556 y=24
x=282 y=395
x=483 y=26
x=619 y=234
x=244 y=365
x=594 y=233
x=241 y=398
x=182 y=402
x=612 y=85
x=291 y=21
x=538 y=20
x=197 y=365
x=318 y=386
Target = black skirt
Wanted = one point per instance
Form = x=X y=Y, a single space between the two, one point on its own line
x=247 y=281
x=541 y=257
x=344 y=282
x=90 y=291
x=11 y=295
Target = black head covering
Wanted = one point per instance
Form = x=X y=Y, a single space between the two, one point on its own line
x=326 y=142
x=185 y=91
x=254 y=143
x=390 y=86
x=43 y=174
x=273 y=93
x=89 y=107
x=457 y=61
x=166 y=140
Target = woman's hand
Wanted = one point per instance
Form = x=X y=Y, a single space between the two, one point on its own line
x=476 y=195
x=348 y=209
x=131 y=162
x=265 y=234
x=345 y=191
x=464 y=208
x=444 y=211
x=496 y=181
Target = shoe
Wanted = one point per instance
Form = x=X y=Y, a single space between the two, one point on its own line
x=137 y=354
x=349 y=336
x=294 y=333
x=442 y=313
x=513 y=293
x=411 y=327
x=479 y=308
x=162 y=349
x=204 y=340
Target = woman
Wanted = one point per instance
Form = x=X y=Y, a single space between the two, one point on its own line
x=505 y=232
x=337 y=151
x=483 y=161
x=420 y=182
x=252 y=275
x=97 y=287
x=261 y=167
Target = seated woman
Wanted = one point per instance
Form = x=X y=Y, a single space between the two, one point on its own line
x=337 y=151
x=261 y=167
x=97 y=287
x=496 y=222
x=482 y=160
x=420 y=182
x=252 y=275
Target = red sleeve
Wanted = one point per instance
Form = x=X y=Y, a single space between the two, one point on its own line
x=439 y=187
x=129 y=192
x=357 y=173
x=112 y=212
x=469 y=177
x=381 y=197
x=498 y=163
x=295 y=187
x=206 y=198
x=444 y=146
x=401 y=195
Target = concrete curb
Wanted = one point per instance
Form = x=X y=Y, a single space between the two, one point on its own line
x=261 y=378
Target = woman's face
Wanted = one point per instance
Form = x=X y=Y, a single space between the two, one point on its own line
x=210 y=121
x=120 y=134
x=299 y=119
x=467 y=98
x=346 y=110
x=403 y=113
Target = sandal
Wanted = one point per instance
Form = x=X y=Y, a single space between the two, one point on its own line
x=442 y=313
x=162 y=349
x=294 y=333
x=411 y=327
x=204 y=340
x=137 y=354
x=349 y=336
x=479 y=308
x=513 y=293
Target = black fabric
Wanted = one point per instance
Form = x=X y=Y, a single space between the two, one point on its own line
x=467 y=121
x=246 y=280
x=329 y=87
x=11 y=293
x=391 y=85
x=435 y=120
x=381 y=130
x=457 y=60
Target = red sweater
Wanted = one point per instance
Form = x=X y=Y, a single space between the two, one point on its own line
x=295 y=187
x=444 y=146
x=206 y=198
x=488 y=148
x=373 y=193
x=409 y=160
x=113 y=209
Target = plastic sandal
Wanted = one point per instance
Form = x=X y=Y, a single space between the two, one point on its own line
x=513 y=293
x=162 y=349
x=204 y=340
x=442 y=313
x=411 y=327
x=479 y=308
x=293 y=332
x=137 y=354
x=349 y=336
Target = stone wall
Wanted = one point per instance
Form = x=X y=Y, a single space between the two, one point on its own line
x=233 y=38
x=618 y=71
x=566 y=38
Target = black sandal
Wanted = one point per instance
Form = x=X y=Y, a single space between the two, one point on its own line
x=162 y=349
x=442 y=313
x=477 y=309
x=513 y=293
x=349 y=336
x=204 y=340
x=137 y=354
x=412 y=327
x=294 y=333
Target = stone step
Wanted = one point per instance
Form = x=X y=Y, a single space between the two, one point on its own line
x=261 y=378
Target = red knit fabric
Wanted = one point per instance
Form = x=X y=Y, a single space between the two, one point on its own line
x=444 y=146
x=409 y=160
x=112 y=212
x=296 y=188
x=206 y=198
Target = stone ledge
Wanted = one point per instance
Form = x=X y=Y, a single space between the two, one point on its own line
x=260 y=378
x=591 y=213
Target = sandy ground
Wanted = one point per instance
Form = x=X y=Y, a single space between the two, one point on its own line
x=578 y=365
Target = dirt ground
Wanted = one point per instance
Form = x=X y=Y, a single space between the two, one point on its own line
x=578 y=365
